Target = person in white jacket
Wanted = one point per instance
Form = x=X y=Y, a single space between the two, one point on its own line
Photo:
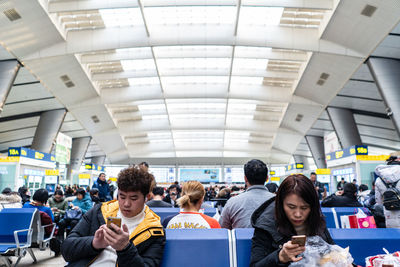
x=391 y=174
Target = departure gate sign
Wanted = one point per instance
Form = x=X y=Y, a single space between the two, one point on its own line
x=30 y=153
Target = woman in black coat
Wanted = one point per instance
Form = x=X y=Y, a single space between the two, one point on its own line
x=294 y=211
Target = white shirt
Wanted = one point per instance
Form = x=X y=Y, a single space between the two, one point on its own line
x=108 y=257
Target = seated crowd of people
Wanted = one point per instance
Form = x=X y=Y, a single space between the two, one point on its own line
x=138 y=238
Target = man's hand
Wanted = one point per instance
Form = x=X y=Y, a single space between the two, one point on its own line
x=98 y=241
x=117 y=238
x=290 y=251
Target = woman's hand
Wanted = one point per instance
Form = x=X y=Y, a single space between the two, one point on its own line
x=290 y=251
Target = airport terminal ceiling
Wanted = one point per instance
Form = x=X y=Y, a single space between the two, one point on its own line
x=197 y=82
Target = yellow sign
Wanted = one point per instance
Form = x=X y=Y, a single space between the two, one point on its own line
x=323 y=171
x=299 y=166
x=339 y=154
x=372 y=157
x=328 y=157
x=88 y=166
x=52 y=172
x=14 y=152
x=272 y=172
x=39 y=155
x=84 y=176
x=275 y=179
x=9 y=159
x=114 y=179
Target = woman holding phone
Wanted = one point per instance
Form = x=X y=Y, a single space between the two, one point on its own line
x=294 y=211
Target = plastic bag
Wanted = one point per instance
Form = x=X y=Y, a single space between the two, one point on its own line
x=321 y=254
x=379 y=260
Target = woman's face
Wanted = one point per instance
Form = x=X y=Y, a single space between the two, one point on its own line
x=296 y=209
x=79 y=196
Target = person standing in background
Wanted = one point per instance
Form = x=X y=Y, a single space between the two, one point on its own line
x=103 y=187
x=318 y=186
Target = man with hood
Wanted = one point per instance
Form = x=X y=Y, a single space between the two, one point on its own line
x=347 y=199
x=138 y=242
x=389 y=174
x=103 y=187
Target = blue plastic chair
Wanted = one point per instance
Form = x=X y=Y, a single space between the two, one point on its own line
x=243 y=238
x=16 y=233
x=196 y=248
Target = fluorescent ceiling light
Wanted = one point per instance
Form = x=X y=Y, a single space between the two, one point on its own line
x=249 y=64
x=143 y=81
x=246 y=80
x=154 y=117
x=120 y=17
x=151 y=107
x=195 y=79
x=138 y=64
x=194 y=63
x=176 y=15
x=260 y=16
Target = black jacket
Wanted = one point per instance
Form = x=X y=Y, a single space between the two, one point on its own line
x=267 y=241
x=340 y=201
x=146 y=242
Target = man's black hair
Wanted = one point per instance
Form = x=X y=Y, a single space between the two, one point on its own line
x=41 y=196
x=350 y=188
x=392 y=160
x=59 y=192
x=256 y=172
x=272 y=187
x=313 y=173
x=363 y=187
x=6 y=191
x=101 y=174
x=94 y=191
x=81 y=191
x=144 y=163
x=158 y=191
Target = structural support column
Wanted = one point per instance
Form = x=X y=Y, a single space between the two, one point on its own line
x=316 y=145
x=345 y=126
x=99 y=160
x=302 y=159
x=386 y=73
x=8 y=72
x=46 y=132
x=78 y=151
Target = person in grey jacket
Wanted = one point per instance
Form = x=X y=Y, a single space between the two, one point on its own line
x=390 y=174
x=238 y=209
x=294 y=211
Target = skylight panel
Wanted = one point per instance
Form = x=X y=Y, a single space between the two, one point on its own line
x=195 y=51
x=143 y=81
x=260 y=16
x=155 y=117
x=249 y=64
x=151 y=107
x=195 y=107
x=237 y=135
x=197 y=134
x=196 y=116
x=195 y=79
x=178 y=15
x=159 y=135
x=245 y=117
x=121 y=17
x=194 y=63
x=246 y=80
x=142 y=64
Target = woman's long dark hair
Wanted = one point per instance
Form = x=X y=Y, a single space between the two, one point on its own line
x=303 y=187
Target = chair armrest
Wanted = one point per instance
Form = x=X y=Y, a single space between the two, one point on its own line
x=28 y=239
x=52 y=232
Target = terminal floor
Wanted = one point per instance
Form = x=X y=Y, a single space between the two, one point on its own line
x=44 y=259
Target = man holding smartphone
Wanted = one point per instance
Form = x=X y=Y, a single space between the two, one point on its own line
x=138 y=242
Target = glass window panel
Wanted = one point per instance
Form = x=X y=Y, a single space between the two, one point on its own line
x=143 y=81
x=259 y=16
x=120 y=17
x=249 y=63
x=246 y=80
x=151 y=107
x=143 y=64
x=194 y=63
x=194 y=79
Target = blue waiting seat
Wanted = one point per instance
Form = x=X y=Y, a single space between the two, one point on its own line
x=165 y=212
x=243 y=238
x=367 y=242
x=332 y=215
x=197 y=248
x=16 y=233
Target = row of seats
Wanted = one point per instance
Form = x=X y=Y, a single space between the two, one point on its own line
x=225 y=248
x=332 y=215
x=20 y=230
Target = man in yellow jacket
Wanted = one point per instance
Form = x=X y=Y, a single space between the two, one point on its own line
x=140 y=240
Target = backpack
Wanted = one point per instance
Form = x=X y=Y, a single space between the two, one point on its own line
x=391 y=197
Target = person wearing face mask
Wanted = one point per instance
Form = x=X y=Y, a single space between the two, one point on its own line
x=294 y=211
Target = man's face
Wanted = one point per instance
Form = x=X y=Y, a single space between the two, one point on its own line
x=143 y=168
x=58 y=198
x=130 y=203
x=313 y=178
x=102 y=177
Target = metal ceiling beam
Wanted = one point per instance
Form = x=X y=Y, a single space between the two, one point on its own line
x=80 y=5
x=128 y=37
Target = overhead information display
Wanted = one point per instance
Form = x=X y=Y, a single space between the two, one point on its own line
x=201 y=175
